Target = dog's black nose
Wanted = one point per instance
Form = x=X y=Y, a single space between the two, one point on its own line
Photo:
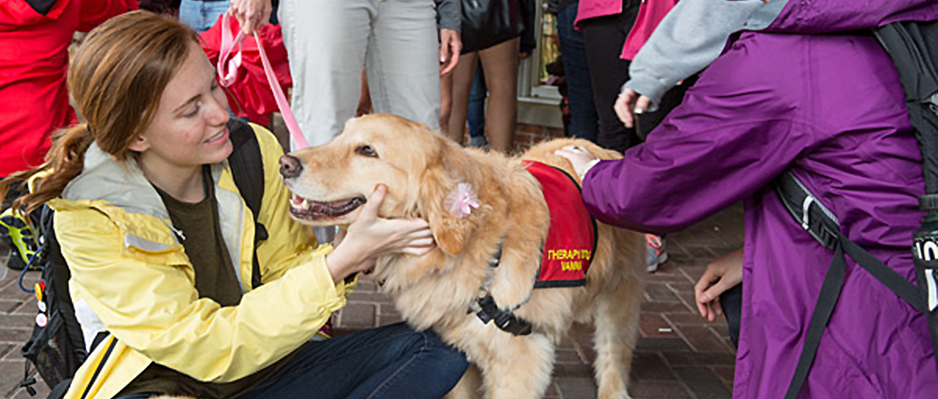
x=290 y=166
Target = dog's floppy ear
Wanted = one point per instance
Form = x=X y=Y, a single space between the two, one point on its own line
x=444 y=173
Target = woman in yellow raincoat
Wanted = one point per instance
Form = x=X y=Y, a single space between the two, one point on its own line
x=159 y=243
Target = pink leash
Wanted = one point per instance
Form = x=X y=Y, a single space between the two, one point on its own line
x=227 y=79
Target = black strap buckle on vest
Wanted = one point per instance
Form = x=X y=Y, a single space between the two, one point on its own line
x=504 y=319
x=824 y=226
x=489 y=310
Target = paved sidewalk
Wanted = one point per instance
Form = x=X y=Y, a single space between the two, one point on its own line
x=679 y=355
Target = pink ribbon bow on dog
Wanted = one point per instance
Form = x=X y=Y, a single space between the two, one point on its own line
x=461 y=201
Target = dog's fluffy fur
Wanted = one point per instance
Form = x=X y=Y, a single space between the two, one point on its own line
x=420 y=168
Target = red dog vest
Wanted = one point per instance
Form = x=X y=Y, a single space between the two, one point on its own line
x=571 y=238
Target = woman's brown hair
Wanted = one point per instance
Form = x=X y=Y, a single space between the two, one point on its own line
x=116 y=80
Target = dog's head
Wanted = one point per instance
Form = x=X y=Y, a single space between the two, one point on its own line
x=419 y=167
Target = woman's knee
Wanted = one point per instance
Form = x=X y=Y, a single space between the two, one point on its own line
x=452 y=361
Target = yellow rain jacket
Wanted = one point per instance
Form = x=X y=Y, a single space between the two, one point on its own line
x=131 y=277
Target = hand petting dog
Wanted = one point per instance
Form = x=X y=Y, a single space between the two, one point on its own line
x=370 y=236
x=580 y=158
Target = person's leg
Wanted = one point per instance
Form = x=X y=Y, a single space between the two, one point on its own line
x=446 y=102
x=500 y=66
x=190 y=13
x=603 y=38
x=476 y=114
x=326 y=42
x=403 y=61
x=462 y=83
x=583 y=118
x=211 y=11
x=731 y=302
x=386 y=362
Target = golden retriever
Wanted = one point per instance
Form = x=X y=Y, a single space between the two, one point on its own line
x=420 y=169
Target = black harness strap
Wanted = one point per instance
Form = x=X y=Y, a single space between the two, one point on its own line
x=504 y=319
x=825 y=228
x=489 y=310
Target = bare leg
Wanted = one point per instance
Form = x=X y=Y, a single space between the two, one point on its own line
x=500 y=64
x=462 y=83
x=446 y=104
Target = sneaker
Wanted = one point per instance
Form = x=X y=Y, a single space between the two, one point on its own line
x=20 y=238
x=656 y=254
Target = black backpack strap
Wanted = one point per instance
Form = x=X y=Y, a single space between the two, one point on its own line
x=55 y=274
x=247 y=169
x=913 y=47
x=825 y=228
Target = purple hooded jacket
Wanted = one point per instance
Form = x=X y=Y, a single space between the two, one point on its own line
x=830 y=107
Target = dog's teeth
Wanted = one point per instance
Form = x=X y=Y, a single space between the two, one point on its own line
x=305 y=204
x=296 y=200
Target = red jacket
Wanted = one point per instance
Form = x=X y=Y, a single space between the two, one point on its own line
x=33 y=65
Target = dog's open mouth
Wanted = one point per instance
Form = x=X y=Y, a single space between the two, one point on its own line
x=303 y=208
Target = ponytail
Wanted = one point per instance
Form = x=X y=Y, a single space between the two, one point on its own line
x=63 y=162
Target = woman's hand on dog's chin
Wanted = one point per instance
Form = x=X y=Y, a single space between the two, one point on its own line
x=371 y=236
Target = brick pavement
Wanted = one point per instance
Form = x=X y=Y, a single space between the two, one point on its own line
x=679 y=354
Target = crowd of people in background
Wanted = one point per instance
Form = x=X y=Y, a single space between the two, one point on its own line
x=709 y=101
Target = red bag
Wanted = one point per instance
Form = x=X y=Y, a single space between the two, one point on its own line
x=650 y=14
x=250 y=96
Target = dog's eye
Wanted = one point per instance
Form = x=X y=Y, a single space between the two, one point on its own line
x=366 y=150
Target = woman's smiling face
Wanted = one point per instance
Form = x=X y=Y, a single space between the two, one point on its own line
x=188 y=129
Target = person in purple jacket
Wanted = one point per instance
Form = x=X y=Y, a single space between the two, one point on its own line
x=816 y=94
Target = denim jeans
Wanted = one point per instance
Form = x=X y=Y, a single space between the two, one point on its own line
x=201 y=15
x=476 y=114
x=386 y=362
x=583 y=117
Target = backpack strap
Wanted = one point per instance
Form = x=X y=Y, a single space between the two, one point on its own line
x=825 y=228
x=247 y=169
x=913 y=46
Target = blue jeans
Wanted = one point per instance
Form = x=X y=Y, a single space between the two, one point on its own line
x=476 y=113
x=201 y=15
x=583 y=117
x=386 y=362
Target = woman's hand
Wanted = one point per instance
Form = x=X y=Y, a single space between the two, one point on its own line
x=450 y=47
x=251 y=14
x=581 y=159
x=371 y=236
x=630 y=101
x=722 y=274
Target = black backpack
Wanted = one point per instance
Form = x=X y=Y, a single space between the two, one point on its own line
x=57 y=349
x=913 y=47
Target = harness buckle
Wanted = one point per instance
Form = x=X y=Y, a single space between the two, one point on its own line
x=805 y=218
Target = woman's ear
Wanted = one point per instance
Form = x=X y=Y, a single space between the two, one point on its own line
x=139 y=144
